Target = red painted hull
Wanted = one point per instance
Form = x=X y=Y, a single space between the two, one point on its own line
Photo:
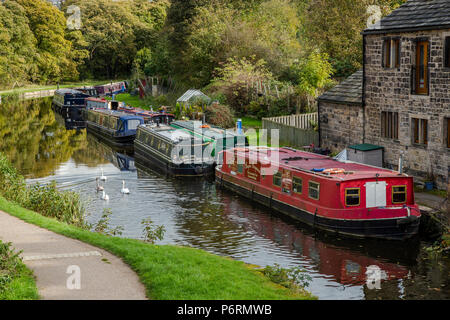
x=330 y=211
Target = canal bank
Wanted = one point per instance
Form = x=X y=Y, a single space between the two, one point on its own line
x=167 y=272
x=197 y=214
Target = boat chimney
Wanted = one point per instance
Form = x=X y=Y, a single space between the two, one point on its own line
x=400 y=164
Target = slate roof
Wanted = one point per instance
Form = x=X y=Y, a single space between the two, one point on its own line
x=350 y=91
x=415 y=15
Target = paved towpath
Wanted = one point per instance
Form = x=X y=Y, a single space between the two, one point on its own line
x=102 y=276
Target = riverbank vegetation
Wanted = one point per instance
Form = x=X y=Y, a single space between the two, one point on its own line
x=16 y=281
x=258 y=57
x=172 y=272
x=168 y=272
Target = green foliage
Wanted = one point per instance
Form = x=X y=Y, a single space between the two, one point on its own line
x=335 y=26
x=65 y=206
x=102 y=225
x=16 y=281
x=219 y=115
x=152 y=233
x=234 y=78
x=293 y=278
x=173 y=272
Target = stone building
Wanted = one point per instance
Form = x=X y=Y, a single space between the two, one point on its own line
x=405 y=103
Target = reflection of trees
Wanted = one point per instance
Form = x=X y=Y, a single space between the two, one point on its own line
x=92 y=153
x=201 y=220
x=31 y=138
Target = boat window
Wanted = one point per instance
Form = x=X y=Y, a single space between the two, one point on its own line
x=277 y=179
x=399 y=194
x=133 y=124
x=352 y=197
x=297 y=185
x=314 y=190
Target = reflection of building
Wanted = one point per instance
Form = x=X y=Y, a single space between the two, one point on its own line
x=401 y=98
x=346 y=264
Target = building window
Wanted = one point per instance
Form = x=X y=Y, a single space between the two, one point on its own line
x=297 y=185
x=399 y=194
x=277 y=179
x=389 y=125
x=352 y=197
x=314 y=190
x=447 y=52
x=420 y=74
x=420 y=131
x=391 y=53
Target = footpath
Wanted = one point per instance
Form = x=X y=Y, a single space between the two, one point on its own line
x=68 y=269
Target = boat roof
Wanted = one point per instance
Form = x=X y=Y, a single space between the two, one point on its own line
x=313 y=163
x=96 y=99
x=119 y=114
x=212 y=132
x=169 y=133
x=68 y=91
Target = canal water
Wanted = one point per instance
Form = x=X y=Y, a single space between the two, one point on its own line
x=196 y=213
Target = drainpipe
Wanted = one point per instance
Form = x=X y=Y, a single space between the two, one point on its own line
x=364 y=89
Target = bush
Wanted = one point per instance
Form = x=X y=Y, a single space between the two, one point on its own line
x=219 y=115
x=65 y=206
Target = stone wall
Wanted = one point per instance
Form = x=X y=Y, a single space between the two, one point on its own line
x=390 y=90
x=341 y=125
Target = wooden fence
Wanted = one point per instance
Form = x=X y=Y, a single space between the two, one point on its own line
x=294 y=131
x=300 y=121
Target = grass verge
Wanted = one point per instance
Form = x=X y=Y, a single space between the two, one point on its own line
x=16 y=280
x=172 y=272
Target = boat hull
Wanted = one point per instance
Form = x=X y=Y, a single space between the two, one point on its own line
x=125 y=142
x=389 y=229
x=149 y=158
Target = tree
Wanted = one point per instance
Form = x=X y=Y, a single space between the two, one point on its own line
x=335 y=26
x=17 y=46
x=48 y=25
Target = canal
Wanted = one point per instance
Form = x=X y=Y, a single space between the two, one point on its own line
x=196 y=213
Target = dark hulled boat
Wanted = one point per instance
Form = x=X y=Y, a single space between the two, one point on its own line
x=341 y=197
x=174 y=151
x=69 y=104
x=116 y=128
x=220 y=139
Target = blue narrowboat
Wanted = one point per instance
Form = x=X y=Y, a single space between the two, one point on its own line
x=115 y=127
x=70 y=105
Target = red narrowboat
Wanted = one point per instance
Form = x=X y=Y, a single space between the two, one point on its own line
x=346 y=198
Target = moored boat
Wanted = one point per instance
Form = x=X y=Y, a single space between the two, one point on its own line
x=69 y=104
x=172 y=150
x=341 y=197
x=116 y=128
x=150 y=116
x=110 y=89
x=220 y=139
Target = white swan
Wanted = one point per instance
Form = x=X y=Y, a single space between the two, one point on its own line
x=124 y=190
x=103 y=178
x=99 y=187
x=105 y=196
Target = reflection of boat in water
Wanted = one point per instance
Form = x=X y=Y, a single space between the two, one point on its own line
x=343 y=260
x=120 y=158
x=69 y=104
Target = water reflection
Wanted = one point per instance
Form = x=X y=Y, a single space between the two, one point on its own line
x=196 y=213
